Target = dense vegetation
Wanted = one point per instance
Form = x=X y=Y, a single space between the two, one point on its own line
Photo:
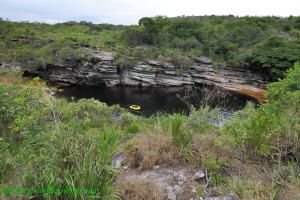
x=267 y=44
x=48 y=142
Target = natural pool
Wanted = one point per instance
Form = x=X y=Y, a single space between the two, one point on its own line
x=161 y=99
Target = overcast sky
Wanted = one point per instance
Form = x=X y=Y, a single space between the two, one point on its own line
x=130 y=11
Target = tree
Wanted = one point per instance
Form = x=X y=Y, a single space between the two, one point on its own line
x=276 y=55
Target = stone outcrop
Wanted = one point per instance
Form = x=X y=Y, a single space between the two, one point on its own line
x=101 y=69
x=174 y=183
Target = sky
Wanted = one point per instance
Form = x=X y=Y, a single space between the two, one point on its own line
x=130 y=11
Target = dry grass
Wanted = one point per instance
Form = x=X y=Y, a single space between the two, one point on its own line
x=259 y=182
x=148 y=151
x=291 y=191
x=204 y=146
x=250 y=187
x=11 y=76
x=139 y=190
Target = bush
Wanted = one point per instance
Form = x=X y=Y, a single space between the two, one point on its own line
x=68 y=54
x=287 y=87
x=199 y=120
x=276 y=55
x=248 y=188
x=174 y=125
x=124 y=63
x=214 y=166
x=272 y=130
x=25 y=54
x=140 y=54
x=182 y=63
x=252 y=131
x=186 y=44
x=135 y=36
x=50 y=143
x=109 y=41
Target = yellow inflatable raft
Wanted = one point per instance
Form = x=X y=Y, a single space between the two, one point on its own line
x=135 y=107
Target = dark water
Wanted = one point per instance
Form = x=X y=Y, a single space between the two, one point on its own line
x=167 y=99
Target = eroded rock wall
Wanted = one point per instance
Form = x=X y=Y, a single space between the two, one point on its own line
x=101 y=68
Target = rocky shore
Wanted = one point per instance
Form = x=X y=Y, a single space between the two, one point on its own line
x=101 y=69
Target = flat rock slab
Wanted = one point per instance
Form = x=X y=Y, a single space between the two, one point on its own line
x=102 y=55
x=175 y=183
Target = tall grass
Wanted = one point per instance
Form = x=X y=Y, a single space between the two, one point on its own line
x=272 y=131
x=174 y=125
x=52 y=143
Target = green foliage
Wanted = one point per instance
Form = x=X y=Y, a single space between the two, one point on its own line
x=287 y=88
x=198 y=120
x=186 y=44
x=272 y=130
x=123 y=62
x=281 y=176
x=182 y=63
x=214 y=166
x=276 y=55
x=245 y=188
x=232 y=41
x=180 y=137
x=252 y=131
x=174 y=125
x=69 y=54
x=141 y=54
x=134 y=36
x=285 y=173
x=47 y=142
x=109 y=41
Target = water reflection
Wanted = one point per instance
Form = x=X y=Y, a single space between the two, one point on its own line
x=167 y=99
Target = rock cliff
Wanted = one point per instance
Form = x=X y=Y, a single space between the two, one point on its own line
x=101 y=68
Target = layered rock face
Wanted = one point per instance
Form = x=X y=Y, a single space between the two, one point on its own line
x=100 y=68
x=152 y=73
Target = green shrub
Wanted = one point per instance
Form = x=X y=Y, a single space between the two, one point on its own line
x=52 y=143
x=252 y=130
x=199 y=119
x=25 y=54
x=227 y=39
x=186 y=44
x=109 y=41
x=69 y=54
x=184 y=63
x=214 y=166
x=174 y=125
x=141 y=54
x=287 y=88
x=246 y=188
x=123 y=62
x=272 y=130
x=276 y=55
